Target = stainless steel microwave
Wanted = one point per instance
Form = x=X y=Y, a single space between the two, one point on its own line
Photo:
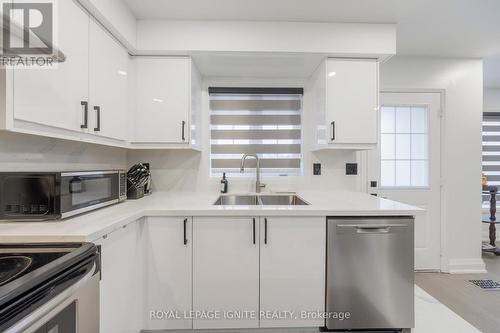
x=39 y=196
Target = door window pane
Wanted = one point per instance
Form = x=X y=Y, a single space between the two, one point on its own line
x=404 y=146
x=419 y=176
x=388 y=173
x=403 y=119
x=403 y=173
x=387 y=146
x=419 y=120
x=387 y=120
x=419 y=146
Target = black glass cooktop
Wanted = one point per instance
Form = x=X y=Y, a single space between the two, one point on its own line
x=33 y=274
x=18 y=262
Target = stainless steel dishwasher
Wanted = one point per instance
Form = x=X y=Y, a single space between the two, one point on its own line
x=370 y=267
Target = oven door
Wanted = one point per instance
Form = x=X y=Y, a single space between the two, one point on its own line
x=85 y=191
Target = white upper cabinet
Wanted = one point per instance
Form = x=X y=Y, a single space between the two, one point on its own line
x=292 y=269
x=168 y=246
x=108 y=107
x=226 y=270
x=167 y=98
x=345 y=98
x=54 y=96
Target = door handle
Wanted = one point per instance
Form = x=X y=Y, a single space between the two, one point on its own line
x=265 y=230
x=183 y=125
x=332 y=131
x=253 y=230
x=97 y=110
x=85 y=105
x=185 y=231
x=371 y=228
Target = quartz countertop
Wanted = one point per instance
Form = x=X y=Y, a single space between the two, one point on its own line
x=92 y=226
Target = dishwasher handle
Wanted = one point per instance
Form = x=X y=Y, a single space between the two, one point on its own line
x=371 y=228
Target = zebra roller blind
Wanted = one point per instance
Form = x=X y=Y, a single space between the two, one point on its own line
x=261 y=121
x=491 y=149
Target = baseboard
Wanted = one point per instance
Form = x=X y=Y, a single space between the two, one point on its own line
x=466 y=266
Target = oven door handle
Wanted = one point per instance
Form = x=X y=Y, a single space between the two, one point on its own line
x=46 y=308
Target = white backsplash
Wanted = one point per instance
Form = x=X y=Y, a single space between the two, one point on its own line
x=188 y=171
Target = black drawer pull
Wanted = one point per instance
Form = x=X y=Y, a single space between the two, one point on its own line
x=98 y=118
x=253 y=230
x=185 y=231
x=85 y=105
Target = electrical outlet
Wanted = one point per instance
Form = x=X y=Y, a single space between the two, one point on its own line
x=316 y=169
x=351 y=168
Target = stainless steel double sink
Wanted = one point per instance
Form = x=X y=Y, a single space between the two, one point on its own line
x=260 y=200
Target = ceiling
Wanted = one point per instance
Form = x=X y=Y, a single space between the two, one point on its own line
x=443 y=28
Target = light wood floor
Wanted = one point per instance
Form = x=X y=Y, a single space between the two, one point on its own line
x=480 y=308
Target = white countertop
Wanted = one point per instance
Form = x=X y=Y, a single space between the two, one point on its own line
x=93 y=225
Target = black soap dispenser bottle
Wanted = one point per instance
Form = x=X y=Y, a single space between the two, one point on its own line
x=223 y=184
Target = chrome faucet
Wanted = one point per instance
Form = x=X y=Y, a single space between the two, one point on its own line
x=258 y=184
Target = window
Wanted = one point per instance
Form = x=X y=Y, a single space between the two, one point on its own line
x=262 y=121
x=491 y=149
x=404 y=146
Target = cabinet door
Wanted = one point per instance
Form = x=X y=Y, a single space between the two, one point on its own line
x=121 y=281
x=226 y=271
x=108 y=84
x=352 y=101
x=163 y=100
x=292 y=270
x=168 y=275
x=53 y=96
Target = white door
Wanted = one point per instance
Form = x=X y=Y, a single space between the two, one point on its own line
x=292 y=270
x=351 y=101
x=226 y=272
x=108 y=85
x=54 y=97
x=406 y=166
x=121 y=280
x=163 y=99
x=168 y=245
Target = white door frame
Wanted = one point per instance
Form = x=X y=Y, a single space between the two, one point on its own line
x=364 y=170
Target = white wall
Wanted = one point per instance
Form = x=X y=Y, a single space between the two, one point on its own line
x=117 y=17
x=492 y=100
x=462 y=81
x=20 y=152
x=189 y=170
x=247 y=36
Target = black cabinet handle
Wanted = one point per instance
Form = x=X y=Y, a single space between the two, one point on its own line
x=254 y=230
x=265 y=230
x=183 y=131
x=185 y=231
x=98 y=118
x=332 y=125
x=85 y=105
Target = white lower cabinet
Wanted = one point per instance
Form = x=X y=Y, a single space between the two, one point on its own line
x=225 y=271
x=163 y=273
x=121 y=280
x=292 y=271
x=168 y=246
